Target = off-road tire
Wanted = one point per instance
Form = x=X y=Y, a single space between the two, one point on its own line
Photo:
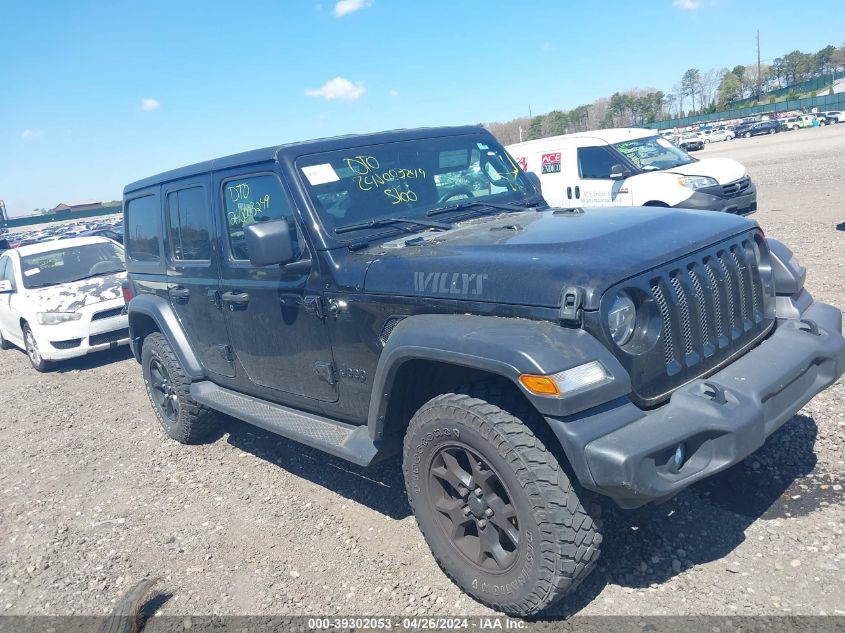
x=559 y=539
x=193 y=422
x=37 y=361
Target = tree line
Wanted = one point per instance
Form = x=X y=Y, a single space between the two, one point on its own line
x=697 y=92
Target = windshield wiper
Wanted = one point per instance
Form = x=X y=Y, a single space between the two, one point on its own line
x=369 y=224
x=504 y=206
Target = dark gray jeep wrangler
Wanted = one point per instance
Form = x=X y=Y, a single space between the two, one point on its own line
x=411 y=292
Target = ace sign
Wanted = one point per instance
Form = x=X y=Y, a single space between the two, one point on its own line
x=551 y=163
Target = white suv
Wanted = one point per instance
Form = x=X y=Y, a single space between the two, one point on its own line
x=63 y=299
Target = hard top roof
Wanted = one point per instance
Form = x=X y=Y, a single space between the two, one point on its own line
x=293 y=150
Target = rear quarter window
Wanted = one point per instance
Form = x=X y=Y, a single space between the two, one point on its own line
x=143 y=227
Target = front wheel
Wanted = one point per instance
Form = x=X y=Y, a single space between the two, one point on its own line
x=32 y=352
x=747 y=135
x=772 y=131
x=500 y=515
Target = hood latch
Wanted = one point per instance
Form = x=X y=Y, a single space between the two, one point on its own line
x=570 y=306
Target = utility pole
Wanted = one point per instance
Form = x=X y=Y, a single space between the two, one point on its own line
x=759 y=77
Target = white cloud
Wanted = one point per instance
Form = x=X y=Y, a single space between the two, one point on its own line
x=148 y=104
x=548 y=46
x=687 y=5
x=344 y=7
x=27 y=133
x=393 y=92
x=338 y=88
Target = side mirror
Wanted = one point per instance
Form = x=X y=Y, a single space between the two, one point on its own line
x=269 y=243
x=617 y=172
x=6 y=286
x=535 y=180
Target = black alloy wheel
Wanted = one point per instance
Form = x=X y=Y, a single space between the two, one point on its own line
x=475 y=508
x=163 y=391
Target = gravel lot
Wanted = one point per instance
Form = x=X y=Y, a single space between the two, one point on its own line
x=95 y=497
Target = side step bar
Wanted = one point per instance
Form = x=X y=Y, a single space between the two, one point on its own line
x=350 y=442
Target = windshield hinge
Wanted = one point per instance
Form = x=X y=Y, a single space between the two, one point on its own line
x=570 y=306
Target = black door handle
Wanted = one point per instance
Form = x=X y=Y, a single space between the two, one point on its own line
x=569 y=193
x=179 y=294
x=578 y=192
x=235 y=299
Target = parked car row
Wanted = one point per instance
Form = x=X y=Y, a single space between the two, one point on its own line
x=108 y=228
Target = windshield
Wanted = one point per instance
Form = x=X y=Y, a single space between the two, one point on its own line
x=406 y=179
x=64 y=265
x=653 y=152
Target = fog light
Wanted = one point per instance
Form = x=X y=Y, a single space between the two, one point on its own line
x=678 y=458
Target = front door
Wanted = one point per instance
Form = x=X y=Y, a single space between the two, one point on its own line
x=595 y=187
x=193 y=272
x=274 y=315
x=9 y=320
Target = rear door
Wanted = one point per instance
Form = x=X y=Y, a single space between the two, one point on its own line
x=193 y=271
x=275 y=316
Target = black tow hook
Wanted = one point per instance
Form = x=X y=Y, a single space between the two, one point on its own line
x=812 y=327
x=716 y=393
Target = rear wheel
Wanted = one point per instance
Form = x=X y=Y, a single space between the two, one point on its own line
x=32 y=351
x=772 y=131
x=169 y=389
x=500 y=515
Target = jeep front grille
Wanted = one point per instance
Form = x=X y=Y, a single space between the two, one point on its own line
x=710 y=307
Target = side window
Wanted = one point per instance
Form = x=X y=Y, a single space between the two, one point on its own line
x=251 y=199
x=142 y=229
x=595 y=162
x=7 y=270
x=188 y=222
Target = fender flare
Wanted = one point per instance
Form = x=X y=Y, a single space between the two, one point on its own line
x=507 y=347
x=161 y=312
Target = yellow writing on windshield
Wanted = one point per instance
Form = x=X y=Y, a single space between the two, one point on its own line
x=369 y=176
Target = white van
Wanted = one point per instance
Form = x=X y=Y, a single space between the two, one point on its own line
x=633 y=167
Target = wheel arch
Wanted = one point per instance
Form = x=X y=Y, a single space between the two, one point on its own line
x=427 y=355
x=150 y=313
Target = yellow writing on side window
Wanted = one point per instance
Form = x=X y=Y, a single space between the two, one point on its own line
x=247 y=210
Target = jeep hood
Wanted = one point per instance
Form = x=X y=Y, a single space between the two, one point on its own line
x=71 y=296
x=529 y=258
x=724 y=170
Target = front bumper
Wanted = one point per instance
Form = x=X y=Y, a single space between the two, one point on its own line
x=625 y=453
x=744 y=204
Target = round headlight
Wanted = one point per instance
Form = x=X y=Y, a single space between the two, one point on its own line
x=622 y=318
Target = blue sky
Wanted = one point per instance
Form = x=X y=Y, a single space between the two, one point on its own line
x=96 y=94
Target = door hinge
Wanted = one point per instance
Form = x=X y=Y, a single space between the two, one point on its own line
x=570 y=306
x=326 y=371
x=226 y=352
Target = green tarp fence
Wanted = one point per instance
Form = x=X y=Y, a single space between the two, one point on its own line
x=827 y=102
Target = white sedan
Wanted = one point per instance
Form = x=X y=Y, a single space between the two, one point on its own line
x=63 y=299
x=713 y=136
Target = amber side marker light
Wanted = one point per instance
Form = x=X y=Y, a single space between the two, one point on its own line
x=541 y=385
x=567 y=381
